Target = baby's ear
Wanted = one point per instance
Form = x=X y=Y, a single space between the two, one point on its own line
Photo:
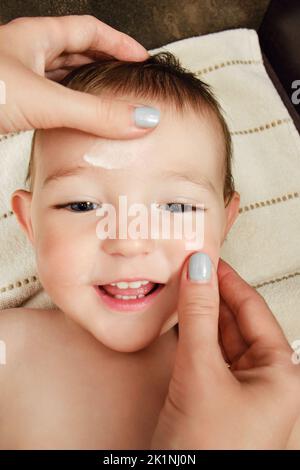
x=21 y=203
x=231 y=211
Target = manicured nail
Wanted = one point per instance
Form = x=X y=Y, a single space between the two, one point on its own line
x=145 y=116
x=199 y=267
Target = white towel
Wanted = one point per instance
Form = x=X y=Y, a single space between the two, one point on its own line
x=263 y=245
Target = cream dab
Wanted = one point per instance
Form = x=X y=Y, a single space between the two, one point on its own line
x=114 y=154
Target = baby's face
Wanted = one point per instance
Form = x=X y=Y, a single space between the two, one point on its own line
x=72 y=259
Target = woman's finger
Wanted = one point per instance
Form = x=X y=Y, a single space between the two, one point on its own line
x=233 y=343
x=37 y=41
x=198 y=313
x=225 y=356
x=64 y=107
x=63 y=65
x=77 y=33
x=57 y=75
x=254 y=318
x=76 y=59
x=69 y=61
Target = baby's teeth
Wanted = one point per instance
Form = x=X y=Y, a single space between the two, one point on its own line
x=132 y=285
x=125 y=297
x=135 y=284
x=122 y=285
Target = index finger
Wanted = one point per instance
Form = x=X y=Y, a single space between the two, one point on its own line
x=38 y=41
x=78 y=33
x=254 y=317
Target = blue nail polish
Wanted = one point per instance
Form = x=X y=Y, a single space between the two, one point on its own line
x=145 y=116
x=199 y=268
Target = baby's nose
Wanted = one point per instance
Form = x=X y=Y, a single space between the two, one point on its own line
x=128 y=247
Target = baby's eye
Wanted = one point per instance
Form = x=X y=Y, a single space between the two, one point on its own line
x=87 y=206
x=181 y=207
x=82 y=206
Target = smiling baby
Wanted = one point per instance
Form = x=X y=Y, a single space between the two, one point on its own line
x=93 y=373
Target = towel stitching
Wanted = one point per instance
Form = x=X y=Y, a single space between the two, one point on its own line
x=269 y=202
x=6 y=214
x=293 y=132
x=19 y=283
x=263 y=127
x=11 y=134
x=228 y=63
x=277 y=279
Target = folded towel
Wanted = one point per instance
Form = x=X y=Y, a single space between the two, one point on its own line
x=263 y=245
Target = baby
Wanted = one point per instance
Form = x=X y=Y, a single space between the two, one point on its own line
x=94 y=372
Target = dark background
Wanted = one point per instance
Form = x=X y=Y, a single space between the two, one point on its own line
x=151 y=22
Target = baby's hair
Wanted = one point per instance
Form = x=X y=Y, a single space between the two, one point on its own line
x=161 y=78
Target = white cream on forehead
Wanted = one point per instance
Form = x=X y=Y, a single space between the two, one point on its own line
x=115 y=154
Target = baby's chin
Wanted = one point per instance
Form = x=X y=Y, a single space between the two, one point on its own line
x=132 y=344
x=126 y=338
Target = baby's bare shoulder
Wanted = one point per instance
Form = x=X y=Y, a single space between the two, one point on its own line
x=17 y=322
x=13 y=323
x=14 y=328
x=22 y=331
x=19 y=328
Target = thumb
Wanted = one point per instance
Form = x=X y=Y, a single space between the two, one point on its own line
x=198 y=308
x=103 y=116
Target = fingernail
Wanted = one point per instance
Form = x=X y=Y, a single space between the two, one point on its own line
x=199 y=267
x=145 y=116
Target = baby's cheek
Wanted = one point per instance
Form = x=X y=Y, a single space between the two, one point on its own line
x=213 y=227
x=60 y=255
x=207 y=239
x=206 y=232
x=212 y=234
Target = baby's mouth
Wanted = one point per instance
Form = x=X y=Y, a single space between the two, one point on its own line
x=121 y=297
x=130 y=292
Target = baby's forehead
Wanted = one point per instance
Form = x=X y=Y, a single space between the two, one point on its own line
x=178 y=140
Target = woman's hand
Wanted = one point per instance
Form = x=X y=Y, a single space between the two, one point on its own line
x=252 y=405
x=35 y=51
